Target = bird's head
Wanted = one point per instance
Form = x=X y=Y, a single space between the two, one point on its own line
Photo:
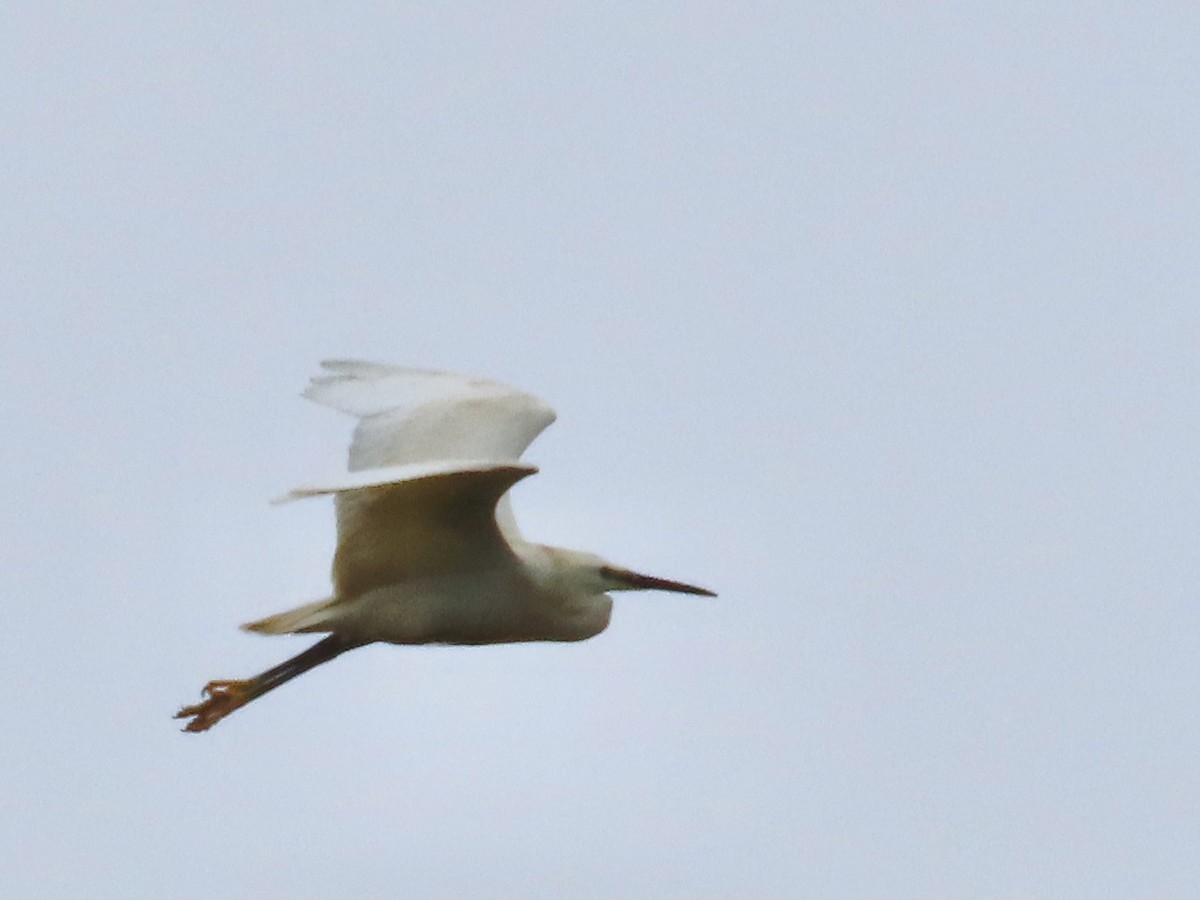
x=590 y=574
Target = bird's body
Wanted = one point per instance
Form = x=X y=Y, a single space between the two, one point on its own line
x=508 y=603
x=428 y=550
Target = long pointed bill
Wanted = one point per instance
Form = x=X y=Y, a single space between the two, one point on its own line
x=634 y=581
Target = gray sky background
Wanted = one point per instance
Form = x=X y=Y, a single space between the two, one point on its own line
x=881 y=320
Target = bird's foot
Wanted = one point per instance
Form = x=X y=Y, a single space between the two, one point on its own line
x=220 y=699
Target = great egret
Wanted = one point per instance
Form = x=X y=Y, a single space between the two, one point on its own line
x=428 y=550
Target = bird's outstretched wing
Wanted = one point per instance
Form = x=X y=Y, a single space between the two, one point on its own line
x=416 y=415
x=420 y=520
x=431 y=461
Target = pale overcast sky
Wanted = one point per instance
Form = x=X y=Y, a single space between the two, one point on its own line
x=882 y=320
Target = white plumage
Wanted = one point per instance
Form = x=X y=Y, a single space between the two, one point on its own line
x=428 y=550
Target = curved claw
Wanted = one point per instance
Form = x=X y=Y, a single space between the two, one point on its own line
x=223 y=697
x=220 y=699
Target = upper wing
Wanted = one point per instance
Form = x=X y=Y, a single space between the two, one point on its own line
x=416 y=415
x=431 y=460
x=419 y=520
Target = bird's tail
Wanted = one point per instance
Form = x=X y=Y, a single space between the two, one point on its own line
x=311 y=617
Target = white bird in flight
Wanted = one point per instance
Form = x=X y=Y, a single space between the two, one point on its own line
x=428 y=550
